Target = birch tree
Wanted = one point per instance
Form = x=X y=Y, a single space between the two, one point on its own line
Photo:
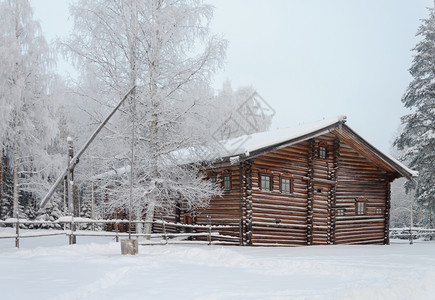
x=27 y=123
x=165 y=49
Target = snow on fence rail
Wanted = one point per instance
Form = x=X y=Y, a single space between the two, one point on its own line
x=411 y=233
x=210 y=231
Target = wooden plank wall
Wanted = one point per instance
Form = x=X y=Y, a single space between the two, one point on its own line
x=357 y=177
x=279 y=218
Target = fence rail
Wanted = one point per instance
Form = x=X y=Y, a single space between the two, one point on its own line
x=412 y=233
x=209 y=232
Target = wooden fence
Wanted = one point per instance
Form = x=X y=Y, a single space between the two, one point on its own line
x=200 y=234
x=207 y=234
x=412 y=233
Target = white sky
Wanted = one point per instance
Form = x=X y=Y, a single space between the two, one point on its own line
x=310 y=59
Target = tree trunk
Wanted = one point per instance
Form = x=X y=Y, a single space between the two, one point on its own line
x=1 y=185
x=16 y=196
x=155 y=103
x=154 y=175
x=149 y=217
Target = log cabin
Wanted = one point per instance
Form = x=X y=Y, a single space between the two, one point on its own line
x=318 y=184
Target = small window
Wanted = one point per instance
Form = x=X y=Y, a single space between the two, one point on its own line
x=360 y=206
x=340 y=212
x=213 y=181
x=265 y=182
x=379 y=211
x=227 y=182
x=286 y=185
x=322 y=150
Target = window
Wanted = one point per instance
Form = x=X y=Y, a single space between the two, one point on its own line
x=322 y=150
x=227 y=182
x=360 y=206
x=379 y=211
x=213 y=181
x=265 y=182
x=340 y=212
x=286 y=185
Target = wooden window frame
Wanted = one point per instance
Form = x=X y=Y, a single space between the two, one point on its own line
x=358 y=202
x=340 y=212
x=260 y=182
x=322 y=154
x=224 y=176
x=281 y=178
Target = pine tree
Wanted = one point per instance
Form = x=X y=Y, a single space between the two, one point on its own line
x=51 y=212
x=418 y=135
x=7 y=190
x=85 y=207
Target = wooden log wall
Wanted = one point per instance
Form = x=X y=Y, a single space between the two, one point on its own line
x=279 y=218
x=323 y=188
x=173 y=216
x=310 y=191
x=360 y=179
x=230 y=208
x=246 y=224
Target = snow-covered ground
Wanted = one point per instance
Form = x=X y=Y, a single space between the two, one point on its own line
x=48 y=268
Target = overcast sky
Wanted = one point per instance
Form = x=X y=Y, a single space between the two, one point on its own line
x=310 y=59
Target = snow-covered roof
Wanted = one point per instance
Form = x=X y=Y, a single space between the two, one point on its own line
x=248 y=146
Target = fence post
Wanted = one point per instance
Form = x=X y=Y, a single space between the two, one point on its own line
x=209 y=230
x=70 y=232
x=164 y=230
x=72 y=238
x=116 y=231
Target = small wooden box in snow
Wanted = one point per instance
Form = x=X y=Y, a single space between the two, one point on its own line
x=129 y=246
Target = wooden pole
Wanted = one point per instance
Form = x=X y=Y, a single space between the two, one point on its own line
x=92 y=205
x=70 y=179
x=209 y=230
x=75 y=159
x=116 y=231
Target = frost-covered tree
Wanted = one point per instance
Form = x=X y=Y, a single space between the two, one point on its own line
x=27 y=122
x=401 y=206
x=418 y=135
x=51 y=212
x=6 y=189
x=165 y=49
x=238 y=112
